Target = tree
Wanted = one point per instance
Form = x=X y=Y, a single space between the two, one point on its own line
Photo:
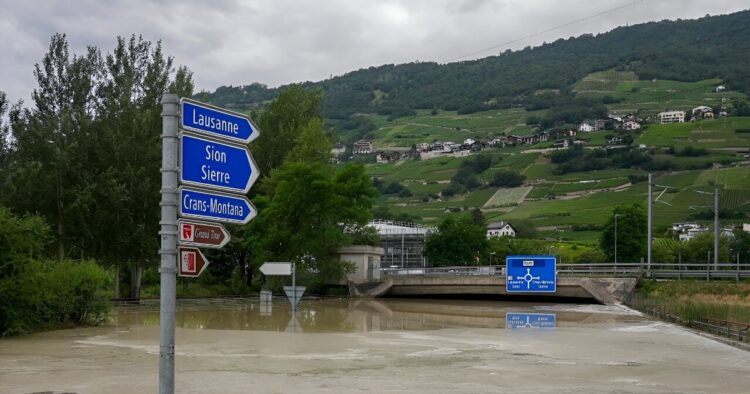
x=282 y=123
x=308 y=210
x=48 y=166
x=505 y=178
x=631 y=234
x=457 y=242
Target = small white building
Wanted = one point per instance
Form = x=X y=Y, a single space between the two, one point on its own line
x=631 y=125
x=500 y=229
x=362 y=147
x=366 y=260
x=469 y=141
x=671 y=117
x=586 y=127
x=720 y=88
x=746 y=227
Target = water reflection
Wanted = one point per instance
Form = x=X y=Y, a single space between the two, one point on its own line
x=519 y=321
x=364 y=315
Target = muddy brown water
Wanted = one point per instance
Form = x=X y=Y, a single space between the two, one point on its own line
x=392 y=345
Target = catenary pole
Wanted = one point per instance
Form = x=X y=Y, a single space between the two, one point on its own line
x=650 y=224
x=716 y=228
x=168 y=249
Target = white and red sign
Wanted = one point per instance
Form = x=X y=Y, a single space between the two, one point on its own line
x=191 y=262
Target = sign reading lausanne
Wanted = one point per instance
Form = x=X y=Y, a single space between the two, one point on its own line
x=216 y=165
x=531 y=274
x=215 y=206
x=217 y=122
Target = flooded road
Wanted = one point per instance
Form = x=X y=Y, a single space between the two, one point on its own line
x=399 y=346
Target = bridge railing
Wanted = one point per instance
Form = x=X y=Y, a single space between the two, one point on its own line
x=457 y=270
x=657 y=271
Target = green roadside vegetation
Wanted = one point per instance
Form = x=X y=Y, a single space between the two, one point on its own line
x=694 y=299
x=37 y=293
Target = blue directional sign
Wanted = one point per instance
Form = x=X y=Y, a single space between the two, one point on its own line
x=517 y=321
x=216 y=165
x=531 y=274
x=216 y=122
x=215 y=206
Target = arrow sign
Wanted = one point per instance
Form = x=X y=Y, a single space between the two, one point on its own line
x=216 y=165
x=201 y=234
x=276 y=269
x=531 y=274
x=215 y=206
x=216 y=122
x=192 y=262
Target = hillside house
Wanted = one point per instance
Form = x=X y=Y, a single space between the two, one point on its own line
x=720 y=88
x=500 y=229
x=703 y=112
x=338 y=149
x=563 y=143
x=592 y=125
x=423 y=146
x=631 y=125
x=362 y=147
x=671 y=117
x=469 y=141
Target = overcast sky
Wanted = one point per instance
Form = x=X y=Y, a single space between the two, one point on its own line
x=282 y=41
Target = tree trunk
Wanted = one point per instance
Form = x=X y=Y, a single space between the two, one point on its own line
x=60 y=228
x=135 y=281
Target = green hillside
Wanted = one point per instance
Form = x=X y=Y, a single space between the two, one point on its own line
x=683 y=50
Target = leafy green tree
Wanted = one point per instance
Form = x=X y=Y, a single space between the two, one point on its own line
x=505 y=178
x=309 y=207
x=312 y=144
x=48 y=166
x=282 y=123
x=631 y=234
x=458 y=241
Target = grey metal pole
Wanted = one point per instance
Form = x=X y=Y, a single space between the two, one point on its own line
x=616 y=215
x=168 y=249
x=294 y=288
x=650 y=223
x=716 y=228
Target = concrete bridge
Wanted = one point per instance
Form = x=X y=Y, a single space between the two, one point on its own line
x=604 y=283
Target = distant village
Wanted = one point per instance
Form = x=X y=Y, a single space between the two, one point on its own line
x=562 y=137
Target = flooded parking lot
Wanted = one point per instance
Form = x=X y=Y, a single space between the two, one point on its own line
x=392 y=345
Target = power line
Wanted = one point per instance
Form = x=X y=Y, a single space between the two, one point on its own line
x=549 y=30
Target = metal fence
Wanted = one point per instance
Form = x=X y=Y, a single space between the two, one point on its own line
x=657 y=271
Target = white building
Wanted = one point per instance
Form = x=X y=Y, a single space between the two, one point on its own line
x=362 y=147
x=671 y=117
x=500 y=229
x=720 y=88
x=630 y=125
x=469 y=141
x=586 y=127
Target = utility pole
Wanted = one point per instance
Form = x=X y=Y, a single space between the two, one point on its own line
x=716 y=228
x=616 y=216
x=168 y=249
x=650 y=224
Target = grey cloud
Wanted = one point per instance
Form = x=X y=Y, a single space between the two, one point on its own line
x=282 y=41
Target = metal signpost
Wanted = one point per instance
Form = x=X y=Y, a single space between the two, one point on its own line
x=202 y=234
x=216 y=122
x=293 y=292
x=192 y=262
x=215 y=206
x=531 y=274
x=516 y=321
x=215 y=165
x=214 y=159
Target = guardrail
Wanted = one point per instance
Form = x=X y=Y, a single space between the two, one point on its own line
x=739 y=331
x=657 y=271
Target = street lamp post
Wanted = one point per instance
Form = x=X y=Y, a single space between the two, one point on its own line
x=616 y=216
